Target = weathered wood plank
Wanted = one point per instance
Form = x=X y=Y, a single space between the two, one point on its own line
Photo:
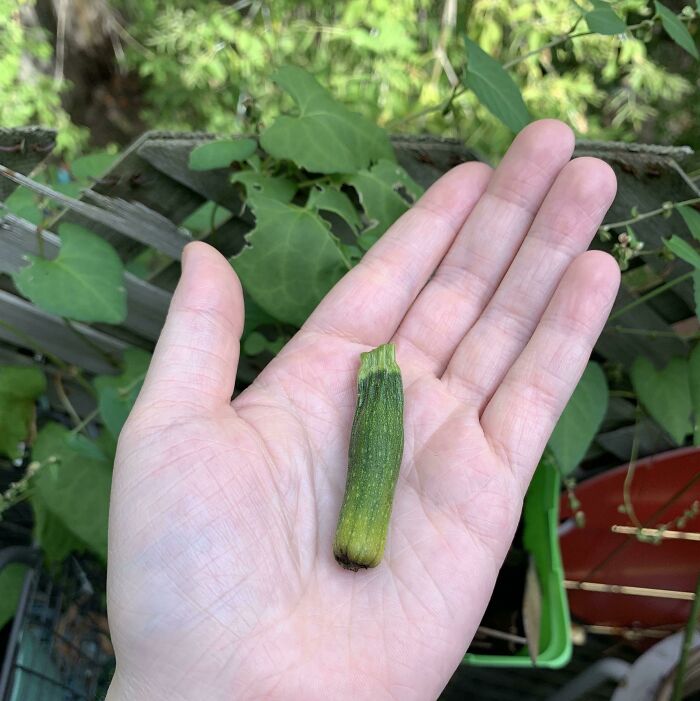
x=21 y=150
x=128 y=218
x=50 y=333
x=147 y=304
x=133 y=179
x=171 y=156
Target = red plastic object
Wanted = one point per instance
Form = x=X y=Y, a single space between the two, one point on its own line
x=664 y=486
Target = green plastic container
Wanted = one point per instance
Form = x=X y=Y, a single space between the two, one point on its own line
x=541 y=514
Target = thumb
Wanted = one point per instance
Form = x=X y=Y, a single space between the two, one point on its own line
x=195 y=360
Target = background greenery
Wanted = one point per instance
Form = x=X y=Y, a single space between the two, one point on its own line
x=177 y=64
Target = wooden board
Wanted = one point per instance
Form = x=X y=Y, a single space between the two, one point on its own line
x=21 y=150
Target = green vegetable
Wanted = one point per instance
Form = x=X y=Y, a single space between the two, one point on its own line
x=376 y=448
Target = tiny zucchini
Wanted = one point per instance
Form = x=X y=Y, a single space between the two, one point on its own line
x=376 y=449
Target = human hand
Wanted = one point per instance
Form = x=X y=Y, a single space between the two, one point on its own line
x=222 y=581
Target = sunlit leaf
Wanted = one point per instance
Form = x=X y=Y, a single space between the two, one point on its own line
x=691 y=217
x=330 y=199
x=683 y=250
x=324 y=136
x=603 y=20
x=495 y=88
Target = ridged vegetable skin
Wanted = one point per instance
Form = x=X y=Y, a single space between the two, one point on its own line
x=376 y=449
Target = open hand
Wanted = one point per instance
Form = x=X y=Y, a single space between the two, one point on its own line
x=222 y=581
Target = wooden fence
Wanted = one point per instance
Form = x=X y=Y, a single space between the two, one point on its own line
x=149 y=191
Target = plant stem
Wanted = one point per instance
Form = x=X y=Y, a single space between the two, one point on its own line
x=627 y=486
x=690 y=628
x=549 y=45
x=651 y=333
x=90 y=417
x=650 y=295
x=648 y=215
x=63 y=397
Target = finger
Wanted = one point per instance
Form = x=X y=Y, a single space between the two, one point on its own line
x=479 y=257
x=562 y=230
x=194 y=363
x=368 y=304
x=523 y=411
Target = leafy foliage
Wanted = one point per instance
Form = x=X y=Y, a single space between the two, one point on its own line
x=116 y=394
x=665 y=394
x=378 y=191
x=495 y=88
x=291 y=260
x=580 y=420
x=85 y=282
x=676 y=29
x=11 y=580
x=19 y=388
x=73 y=486
x=221 y=153
x=324 y=137
x=603 y=20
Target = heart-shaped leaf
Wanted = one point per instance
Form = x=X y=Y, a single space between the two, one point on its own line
x=495 y=88
x=676 y=29
x=11 y=581
x=581 y=419
x=665 y=394
x=19 y=388
x=325 y=136
x=220 y=154
x=116 y=394
x=290 y=262
x=85 y=282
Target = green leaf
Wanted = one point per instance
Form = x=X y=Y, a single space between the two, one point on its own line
x=581 y=419
x=665 y=394
x=116 y=394
x=495 y=88
x=324 y=136
x=691 y=217
x=676 y=29
x=19 y=388
x=603 y=20
x=258 y=184
x=85 y=282
x=220 y=154
x=92 y=166
x=56 y=541
x=255 y=316
x=24 y=203
x=696 y=291
x=329 y=199
x=378 y=192
x=694 y=375
x=73 y=487
x=206 y=218
x=11 y=581
x=290 y=262
x=256 y=343
x=683 y=250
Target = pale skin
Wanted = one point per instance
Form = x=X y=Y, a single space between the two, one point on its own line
x=222 y=582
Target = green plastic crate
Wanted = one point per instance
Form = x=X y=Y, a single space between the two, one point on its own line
x=541 y=514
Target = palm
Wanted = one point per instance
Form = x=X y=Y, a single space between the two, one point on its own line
x=222 y=577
